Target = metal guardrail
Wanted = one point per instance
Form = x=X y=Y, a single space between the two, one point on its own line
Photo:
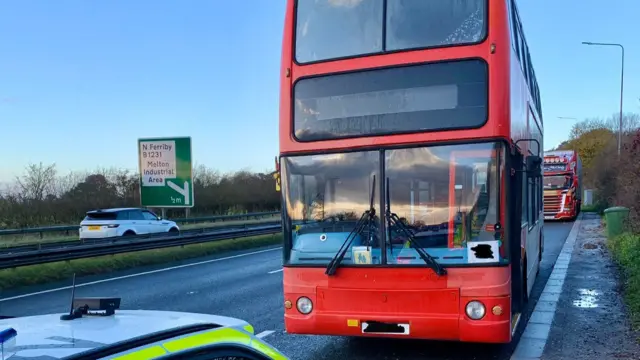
x=78 y=242
x=110 y=246
x=69 y=228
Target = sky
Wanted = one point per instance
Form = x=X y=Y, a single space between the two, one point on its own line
x=81 y=81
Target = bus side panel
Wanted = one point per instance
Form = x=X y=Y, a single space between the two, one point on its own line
x=526 y=123
x=517 y=100
x=518 y=120
x=535 y=232
x=499 y=81
x=285 y=74
x=521 y=99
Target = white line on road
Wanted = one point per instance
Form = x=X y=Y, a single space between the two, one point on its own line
x=275 y=271
x=140 y=274
x=534 y=338
x=264 y=334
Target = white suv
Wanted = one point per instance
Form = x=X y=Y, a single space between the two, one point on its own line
x=124 y=222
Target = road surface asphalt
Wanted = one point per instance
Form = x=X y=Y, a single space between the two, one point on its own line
x=248 y=285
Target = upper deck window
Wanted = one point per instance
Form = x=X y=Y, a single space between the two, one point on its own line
x=426 y=97
x=431 y=23
x=331 y=29
x=327 y=29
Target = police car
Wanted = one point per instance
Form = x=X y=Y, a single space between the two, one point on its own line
x=93 y=330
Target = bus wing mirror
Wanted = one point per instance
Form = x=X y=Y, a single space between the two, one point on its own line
x=276 y=174
x=533 y=164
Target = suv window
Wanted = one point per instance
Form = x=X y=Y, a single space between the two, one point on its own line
x=135 y=215
x=149 y=216
x=101 y=216
x=123 y=215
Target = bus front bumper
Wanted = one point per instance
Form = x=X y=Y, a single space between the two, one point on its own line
x=453 y=327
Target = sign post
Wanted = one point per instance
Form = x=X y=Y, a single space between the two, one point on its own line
x=165 y=166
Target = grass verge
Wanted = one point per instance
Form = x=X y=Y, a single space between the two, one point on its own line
x=40 y=274
x=626 y=251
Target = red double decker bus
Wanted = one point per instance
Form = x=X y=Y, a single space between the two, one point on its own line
x=562 y=171
x=410 y=137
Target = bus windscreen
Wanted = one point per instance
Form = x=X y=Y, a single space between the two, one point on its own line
x=445 y=197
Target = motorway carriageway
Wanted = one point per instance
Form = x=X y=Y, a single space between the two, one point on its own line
x=248 y=285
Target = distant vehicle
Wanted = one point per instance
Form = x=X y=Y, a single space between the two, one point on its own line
x=562 y=185
x=93 y=330
x=410 y=163
x=105 y=223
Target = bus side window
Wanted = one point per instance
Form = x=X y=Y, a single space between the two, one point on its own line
x=525 y=203
x=531 y=199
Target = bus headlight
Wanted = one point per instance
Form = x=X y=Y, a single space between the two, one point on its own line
x=475 y=310
x=304 y=305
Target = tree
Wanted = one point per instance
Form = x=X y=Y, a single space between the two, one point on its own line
x=630 y=123
x=615 y=178
x=588 y=145
x=591 y=136
x=39 y=197
x=37 y=182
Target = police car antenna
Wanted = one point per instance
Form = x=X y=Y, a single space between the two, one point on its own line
x=71 y=315
x=82 y=306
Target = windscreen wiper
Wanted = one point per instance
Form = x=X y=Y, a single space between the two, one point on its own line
x=392 y=217
x=367 y=216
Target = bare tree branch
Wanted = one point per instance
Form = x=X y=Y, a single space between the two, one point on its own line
x=40 y=197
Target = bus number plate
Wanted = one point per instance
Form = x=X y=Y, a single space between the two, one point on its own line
x=376 y=327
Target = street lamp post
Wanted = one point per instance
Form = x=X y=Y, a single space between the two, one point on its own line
x=621 y=86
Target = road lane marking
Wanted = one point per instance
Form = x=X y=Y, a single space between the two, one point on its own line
x=140 y=274
x=534 y=338
x=264 y=334
x=275 y=271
